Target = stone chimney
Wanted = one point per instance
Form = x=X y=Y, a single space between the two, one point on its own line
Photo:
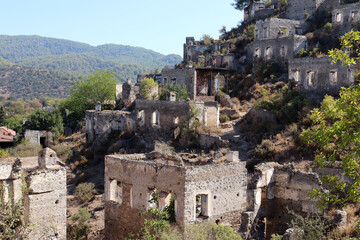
x=47 y=158
x=172 y=97
x=98 y=106
x=233 y=156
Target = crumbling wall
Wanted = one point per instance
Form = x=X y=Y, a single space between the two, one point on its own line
x=345 y=17
x=45 y=199
x=225 y=188
x=180 y=76
x=40 y=137
x=130 y=180
x=99 y=124
x=317 y=76
x=130 y=92
x=280 y=50
x=274 y=188
x=295 y=9
x=209 y=113
x=158 y=115
x=275 y=28
x=141 y=178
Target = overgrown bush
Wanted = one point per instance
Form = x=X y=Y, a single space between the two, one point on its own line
x=79 y=228
x=327 y=28
x=85 y=192
x=179 y=89
x=12 y=224
x=62 y=151
x=265 y=69
x=313 y=227
x=265 y=150
x=25 y=149
x=4 y=153
x=147 y=85
x=210 y=231
x=224 y=118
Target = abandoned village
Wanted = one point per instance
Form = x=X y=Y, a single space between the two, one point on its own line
x=212 y=177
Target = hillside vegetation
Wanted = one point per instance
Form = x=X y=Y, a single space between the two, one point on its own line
x=34 y=66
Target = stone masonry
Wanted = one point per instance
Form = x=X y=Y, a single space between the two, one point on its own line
x=45 y=199
x=202 y=193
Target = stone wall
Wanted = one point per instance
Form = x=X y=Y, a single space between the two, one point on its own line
x=99 y=124
x=45 y=201
x=345 y=17
x=209 y=113
x=180 y=76
x=274 y=188
x=159 y=115
x=132 y=178
x=40 y=137
x=276 y=27
x=129 y=93
x=317 y=76
x=295 y=9
x=280 y=50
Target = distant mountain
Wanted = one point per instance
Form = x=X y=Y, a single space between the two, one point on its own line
x=34 y=66
x=25 y=82
x=17 y=48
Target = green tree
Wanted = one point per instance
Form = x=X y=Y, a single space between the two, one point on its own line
x=335 y=131
x=100 y=86
x=79 y=228
x=147 y=85
x=14 y=123
x=48 y=121
x=2 y=114
x=244 y=4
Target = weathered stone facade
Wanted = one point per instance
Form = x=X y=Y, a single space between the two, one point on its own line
x=130 y=180
x=45 y=200
x=41 y=137
x=276 y=28
x=280 y=50
x=99 y=124
x=345 y=17
x=317 y=76
x=199 y=81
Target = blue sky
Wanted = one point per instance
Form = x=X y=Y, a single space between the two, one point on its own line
x=160 y=25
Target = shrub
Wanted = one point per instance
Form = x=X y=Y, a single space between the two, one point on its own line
x=265 y=69
x=85 y=192
x=210 y=231
x=265 y=150
x=224 y=118
x=147 y=84
x=328 y=28
x=25 y=149
x=301 y=53
x=283 y=2
x=4 y=154
x=12 y=224
x=79 y=228
x=63 y=152
x=313 y=226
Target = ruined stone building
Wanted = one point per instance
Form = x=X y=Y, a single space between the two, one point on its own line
x=39 y=136
x=201 y=83
x=317 y=76
x=211 y=192
x=40 y=182
x=345 y=17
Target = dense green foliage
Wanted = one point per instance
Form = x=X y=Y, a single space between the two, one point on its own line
x=71 y=60
x=179 y=89
x=85 y=192
x=79 y=228
x=25 y=82
x=99 y=87
x=335 y=132
x=44 y=120
x=12 y=224
x=147 y=84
